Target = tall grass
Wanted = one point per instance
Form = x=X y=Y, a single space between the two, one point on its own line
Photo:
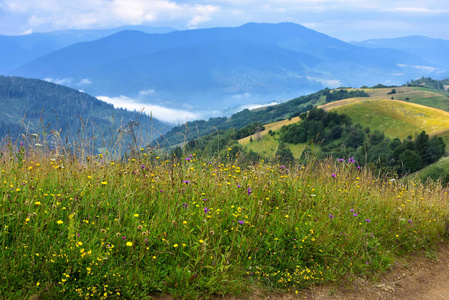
x=96 y=227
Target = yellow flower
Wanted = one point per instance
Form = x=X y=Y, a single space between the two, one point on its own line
x=175 y=245
x=154 y=257
x=136 y=215
x=59 y=222
x=129 y=244
x=201 y=241
x=38 y=283
x=104 y=183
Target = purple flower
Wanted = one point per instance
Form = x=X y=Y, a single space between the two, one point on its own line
x=124 y=237
x=206 y=210
x=341 y=159
x=186 y=181
x=368 y=220
x=352 y=210
x=250 y=191
x=21 y=144
x=188 y=158
x=190 y=155
x=333 y=175
x=185 y=205
x=351 y=160
x=241 y=222
x=282 y=167
x=239 y=186
x=204 y=199
x=355 y=215
x=142 y=166
x=358 y=167
x=331 y=216
x=410 y=221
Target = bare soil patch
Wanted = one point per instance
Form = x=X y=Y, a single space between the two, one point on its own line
x=423 y=277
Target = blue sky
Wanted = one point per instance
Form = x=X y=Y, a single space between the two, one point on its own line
x=348 y=20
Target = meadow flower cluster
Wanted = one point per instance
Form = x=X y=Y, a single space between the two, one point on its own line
x=82 y=228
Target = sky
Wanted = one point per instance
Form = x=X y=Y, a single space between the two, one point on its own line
x=348 y=20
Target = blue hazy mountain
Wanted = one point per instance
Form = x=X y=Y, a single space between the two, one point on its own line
x=218 y=68
x=434 y=50
x=18 y=50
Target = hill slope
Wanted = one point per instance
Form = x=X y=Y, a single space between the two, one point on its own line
x=421 y=111
x=35 y=106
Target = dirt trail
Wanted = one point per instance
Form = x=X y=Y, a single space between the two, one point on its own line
x=420 y=278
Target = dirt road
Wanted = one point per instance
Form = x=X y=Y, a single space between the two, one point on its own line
x=420 y=278
x=423 y=278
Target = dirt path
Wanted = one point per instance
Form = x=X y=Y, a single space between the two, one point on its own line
x=419 y=279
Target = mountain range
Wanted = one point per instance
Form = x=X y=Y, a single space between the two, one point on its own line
x=223 y=68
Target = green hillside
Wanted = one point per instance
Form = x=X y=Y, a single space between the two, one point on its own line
x=397 y=118
x=265 y=115
x=387 y=119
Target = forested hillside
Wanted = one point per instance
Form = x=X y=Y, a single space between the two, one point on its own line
x=35 y=106
x=195 y=129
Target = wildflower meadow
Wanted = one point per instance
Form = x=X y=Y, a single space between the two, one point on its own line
x=135 y=227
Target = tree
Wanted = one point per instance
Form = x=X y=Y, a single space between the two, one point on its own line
x=411 y=160
x=393 y=91
x=375 y=137
x=355 y=138
x=422 y=147
x=437 y=147
x=284 y=155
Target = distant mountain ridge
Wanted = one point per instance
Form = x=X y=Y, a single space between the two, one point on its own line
x=435 y=50
x=18 y=50
x=218 y=68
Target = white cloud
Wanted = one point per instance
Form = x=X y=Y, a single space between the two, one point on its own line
x=344 y=19
x=85 y=81
x=159 y=112
x=146 y=92
x=62 y=14
x=62 y=81
x=420 y=10
x=26 y=32
x=331 y=83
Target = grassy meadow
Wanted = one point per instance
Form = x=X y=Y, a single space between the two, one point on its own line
x=95 y=227
x=397 y=118
x=414 y=109
x=267 y=145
